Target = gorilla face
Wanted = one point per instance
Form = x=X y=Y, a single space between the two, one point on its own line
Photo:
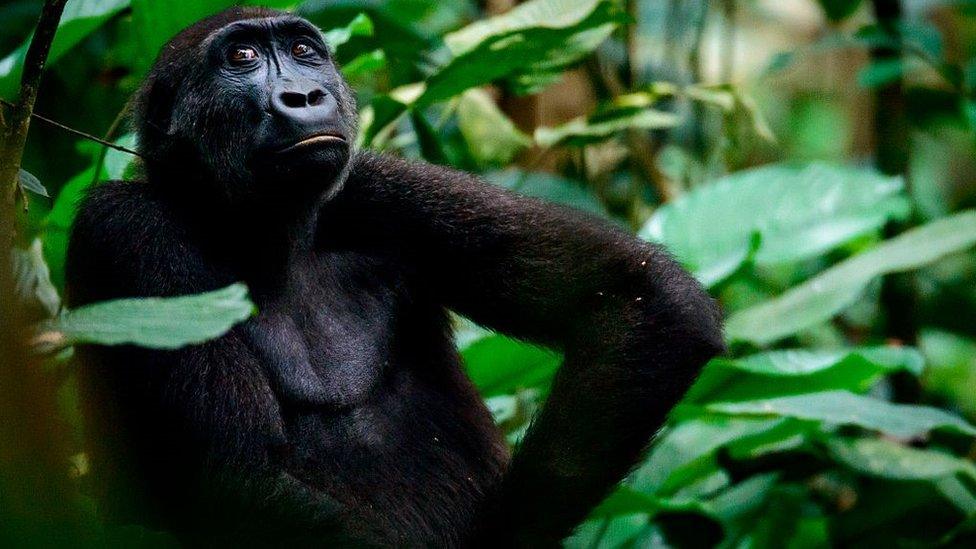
x=263 y=109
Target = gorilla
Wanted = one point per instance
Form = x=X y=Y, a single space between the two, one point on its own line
x=341 y=414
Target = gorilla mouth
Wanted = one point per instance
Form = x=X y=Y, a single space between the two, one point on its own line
x=316 y=139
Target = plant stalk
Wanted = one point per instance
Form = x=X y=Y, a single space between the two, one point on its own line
x=34 y=484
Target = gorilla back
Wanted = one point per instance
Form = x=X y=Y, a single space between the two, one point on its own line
x=341 y=413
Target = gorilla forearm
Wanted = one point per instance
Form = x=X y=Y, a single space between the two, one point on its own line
x=635 y=327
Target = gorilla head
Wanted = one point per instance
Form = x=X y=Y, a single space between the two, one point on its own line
x=249 y=102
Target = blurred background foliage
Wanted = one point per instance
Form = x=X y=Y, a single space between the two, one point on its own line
x=812 y=162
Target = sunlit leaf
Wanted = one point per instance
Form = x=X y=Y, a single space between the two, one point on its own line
x=554 y=14
x=527 y=41
x=845 y=408
x=888 y=459
x=798 y=212
x=582 y=131
x=491 y=136
x=161 y=323
x=365 y=63
x=361 y=25
x=825 y=295
x=118 y=163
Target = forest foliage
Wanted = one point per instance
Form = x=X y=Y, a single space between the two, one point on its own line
x=844 y=264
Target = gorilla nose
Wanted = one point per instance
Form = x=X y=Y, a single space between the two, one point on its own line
x=314 y=106
x=297 y=100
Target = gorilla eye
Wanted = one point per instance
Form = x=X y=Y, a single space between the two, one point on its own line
x=242 y=54
x=302 y=49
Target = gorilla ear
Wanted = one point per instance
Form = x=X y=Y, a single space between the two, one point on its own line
x=155 y=107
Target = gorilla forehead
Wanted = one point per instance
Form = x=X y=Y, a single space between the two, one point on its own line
x=265 y=26
x=203 y=32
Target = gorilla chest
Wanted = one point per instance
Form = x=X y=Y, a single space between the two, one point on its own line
x=326 y=336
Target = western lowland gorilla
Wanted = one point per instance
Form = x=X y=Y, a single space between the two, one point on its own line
x=340 y=414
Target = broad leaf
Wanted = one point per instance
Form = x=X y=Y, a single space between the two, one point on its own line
x=881 y=72
x=156 y=21
x=160 y=323
x=552 y=14
x=526 y=47
x=491 y=136
x=825 y=295
x=365 y=63
x=838 y=10
x=582 y=131
x=844 y=408
x=798 y=212
x=684 y=452
x=952 y=368
x=118 y=163
x=888 y=459
x=361 y=25
x=499 y=365
x=798 y=371
x=80 y=19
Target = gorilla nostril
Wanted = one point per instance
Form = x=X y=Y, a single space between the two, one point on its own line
x=294 y=100
x=316 y=97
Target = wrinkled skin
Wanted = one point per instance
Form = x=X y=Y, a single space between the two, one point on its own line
x=341 y=413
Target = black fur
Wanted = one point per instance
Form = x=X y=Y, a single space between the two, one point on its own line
x=341 y=413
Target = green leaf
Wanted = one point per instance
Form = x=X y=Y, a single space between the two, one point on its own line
x=684 y=452
x=491 y=136
x=888 y=459
x=527 y=42
x=118 y=163
x=844 y=408
x=361 y=25
x=80 y=19
x=552 y=14
x=431 y=146
x=798 y=212
x=30 y=182
x=155 y=22
x=159 y=323
x=365 y=63
x=838 y=10
x=952 y=371
x=499 y=365
x=529 y=50
x=881 y=72
x=62 y=213
x=825 y=295
x=583 y=131
x=798 y=371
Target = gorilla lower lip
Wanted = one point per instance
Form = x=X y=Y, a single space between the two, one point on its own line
x=314 y=140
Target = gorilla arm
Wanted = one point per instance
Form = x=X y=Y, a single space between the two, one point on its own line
x=635 y=328
x=163 y=413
